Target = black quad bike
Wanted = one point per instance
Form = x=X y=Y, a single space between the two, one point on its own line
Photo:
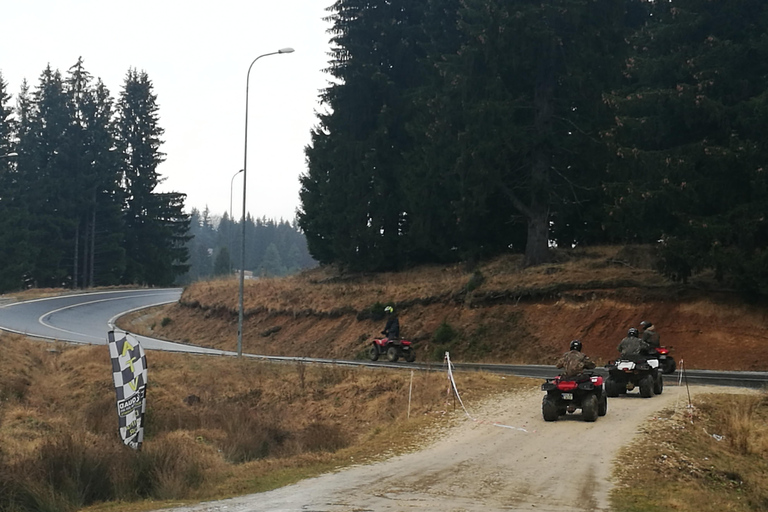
x=565 y=395
x=640 y=371
x=394 y=350
x=666 y=361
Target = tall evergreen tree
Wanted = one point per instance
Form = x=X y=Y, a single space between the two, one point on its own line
x=526 y=109
x=155 y=224
x=13 y=235
x=690 y=136
x=44 y=172
x=353 y=208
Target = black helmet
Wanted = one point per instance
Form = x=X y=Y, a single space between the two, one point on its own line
x=633 y=332
x=645 y=324
x=576 y=345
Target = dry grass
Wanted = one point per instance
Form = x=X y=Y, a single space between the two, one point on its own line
x=215 y=426
x=713 y=460
x=327 y=290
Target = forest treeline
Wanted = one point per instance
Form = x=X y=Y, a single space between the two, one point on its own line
x=78 y=206
x=460 y=129
x=273 y=248
x=78 y=172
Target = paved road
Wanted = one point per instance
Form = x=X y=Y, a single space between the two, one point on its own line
x=87 y=317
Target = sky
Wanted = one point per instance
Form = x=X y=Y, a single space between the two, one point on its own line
x=197 y=54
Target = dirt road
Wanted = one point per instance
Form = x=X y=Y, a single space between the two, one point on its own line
x=505 y=458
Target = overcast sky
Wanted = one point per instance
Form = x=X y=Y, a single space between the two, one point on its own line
x=197 y=55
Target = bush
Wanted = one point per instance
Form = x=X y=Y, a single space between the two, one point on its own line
x=475 y=281
x=165 y=321
x=444 y=334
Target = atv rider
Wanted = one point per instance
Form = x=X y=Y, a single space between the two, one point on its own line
x=574 y=362
x=649 y=334
x=632 y=346
x=392 y=329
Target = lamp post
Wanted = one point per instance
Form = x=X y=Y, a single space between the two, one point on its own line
x=245 y=175
x=231 y=184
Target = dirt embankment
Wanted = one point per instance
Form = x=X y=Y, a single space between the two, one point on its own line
x=498 y=313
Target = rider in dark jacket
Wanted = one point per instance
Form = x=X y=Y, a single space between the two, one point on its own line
x=574 y=362
x=649 y=334
x=632 y=345
x=392 y=329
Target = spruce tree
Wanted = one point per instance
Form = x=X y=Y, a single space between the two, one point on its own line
x=155 y=224
x=689 y=133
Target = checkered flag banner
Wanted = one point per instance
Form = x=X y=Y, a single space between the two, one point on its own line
x=129 y=371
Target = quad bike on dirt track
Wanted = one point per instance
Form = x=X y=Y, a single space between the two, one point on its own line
x=565 y=395
x=666 y=361
x=394 y=350
x=627 y=373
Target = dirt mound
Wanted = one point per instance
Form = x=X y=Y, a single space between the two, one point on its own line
x=497 y=312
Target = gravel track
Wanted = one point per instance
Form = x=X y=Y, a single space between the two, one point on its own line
x=502 y=457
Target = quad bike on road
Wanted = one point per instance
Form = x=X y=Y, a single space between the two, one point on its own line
x=640 y=371
x=393 y=349
x=565 y=395
x=666 y=361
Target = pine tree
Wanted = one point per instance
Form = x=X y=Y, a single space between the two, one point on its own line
x=353 y=209
x=155 y=224
x=689 y=133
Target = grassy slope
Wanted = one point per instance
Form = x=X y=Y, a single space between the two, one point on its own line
x=511 y=315
x=216 y=427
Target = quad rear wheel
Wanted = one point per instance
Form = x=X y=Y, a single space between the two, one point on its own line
x=392 y=354
x=589 y=407
x=646 y=386
x=658 y=383
x=668 y=365
x=549 y=409
x=613 y=388
x=602 y=405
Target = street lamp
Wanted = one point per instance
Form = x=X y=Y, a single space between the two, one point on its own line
x=231 y=184
x=245 y=175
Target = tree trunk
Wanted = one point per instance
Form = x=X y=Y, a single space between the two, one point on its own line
x=537 y=244
x=75 y=283
x=93 y=248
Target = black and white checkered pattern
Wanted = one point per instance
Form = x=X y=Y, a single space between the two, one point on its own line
x=129 y=372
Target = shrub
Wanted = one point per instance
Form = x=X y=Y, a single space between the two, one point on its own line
x=444 y=334
x=165 y=321
x=475 y=281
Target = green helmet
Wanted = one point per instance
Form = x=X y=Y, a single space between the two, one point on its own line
x=389 y=309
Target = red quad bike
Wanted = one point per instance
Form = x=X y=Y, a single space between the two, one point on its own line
x=394 y=349
x=565 y=395
x=666 y=362
x=640 y=371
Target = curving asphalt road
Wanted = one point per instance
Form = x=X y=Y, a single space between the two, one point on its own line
x=87 y=317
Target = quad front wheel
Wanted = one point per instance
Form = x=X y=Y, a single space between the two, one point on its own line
x=373 y=353
x=410 y=356
x=392 y=355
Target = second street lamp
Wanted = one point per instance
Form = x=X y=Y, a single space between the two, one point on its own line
x=245 y=176
x=231 y=184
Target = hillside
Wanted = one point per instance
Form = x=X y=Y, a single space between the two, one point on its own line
x=497 y=312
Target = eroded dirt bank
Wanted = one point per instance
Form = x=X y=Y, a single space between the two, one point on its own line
x=717 y=332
